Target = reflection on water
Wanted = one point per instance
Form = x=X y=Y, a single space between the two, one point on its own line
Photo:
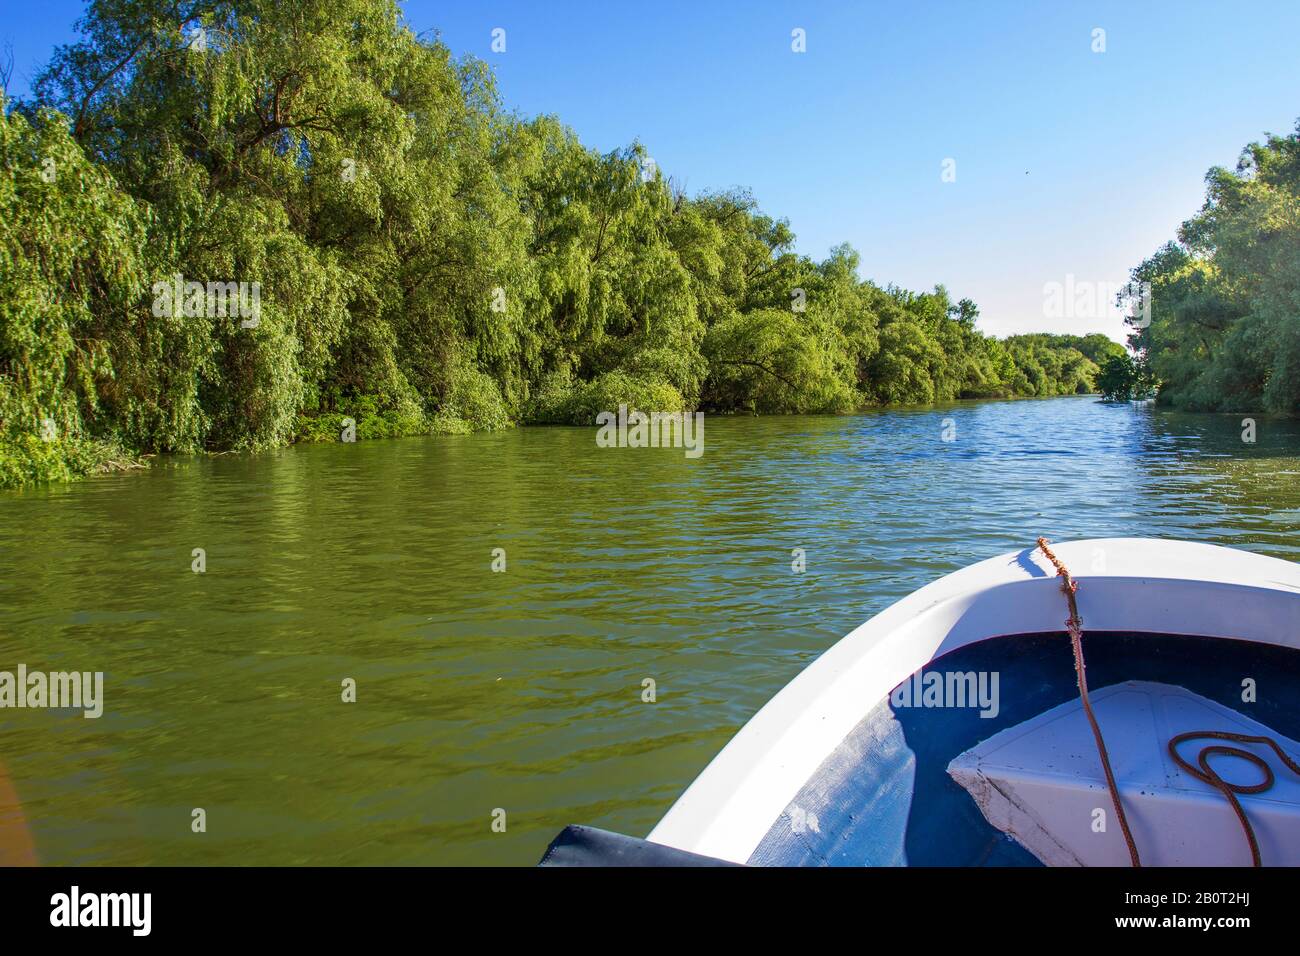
x=522 y=690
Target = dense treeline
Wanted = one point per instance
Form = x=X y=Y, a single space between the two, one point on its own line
x=1224 y=333
x=423 y=260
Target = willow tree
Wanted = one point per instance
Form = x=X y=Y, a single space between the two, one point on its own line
x=1225 y=313
x=323 y=152
x=423 y=259
x=72 y=268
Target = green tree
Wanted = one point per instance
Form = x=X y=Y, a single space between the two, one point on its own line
x=1225 y=319
x=1124 y=378
x=425 y=260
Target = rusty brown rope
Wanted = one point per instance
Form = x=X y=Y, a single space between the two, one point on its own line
x=1230 y=790
x=1205 y=773
x=1075 y=626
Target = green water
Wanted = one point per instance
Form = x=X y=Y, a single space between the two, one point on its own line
x=522 y=690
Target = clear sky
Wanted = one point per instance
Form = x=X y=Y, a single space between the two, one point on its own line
x=1067 y=162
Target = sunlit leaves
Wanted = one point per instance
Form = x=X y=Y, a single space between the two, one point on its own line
x=1225 y=329
x=426 y=260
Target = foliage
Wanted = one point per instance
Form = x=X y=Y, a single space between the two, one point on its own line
x=1224 y=333
x=424 y=260
x=565 y=402
x=1124 y=378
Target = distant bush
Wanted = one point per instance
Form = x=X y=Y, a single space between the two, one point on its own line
x=579 y=403
x=30 y=460
x=370 y=420
x=473 y=399
x=1124 y=378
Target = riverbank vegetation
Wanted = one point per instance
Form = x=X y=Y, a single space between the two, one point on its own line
x=1125 y=378
x=1225 y=296
x=423 y=260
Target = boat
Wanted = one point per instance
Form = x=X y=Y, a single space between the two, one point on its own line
x=1104 y=702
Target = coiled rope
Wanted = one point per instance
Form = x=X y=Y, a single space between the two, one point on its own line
x=1230 y=790
x=1205 y=773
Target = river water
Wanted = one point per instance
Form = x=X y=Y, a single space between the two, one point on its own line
x=521 y=690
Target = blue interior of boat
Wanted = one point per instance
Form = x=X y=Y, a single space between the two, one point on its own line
x=884 y=797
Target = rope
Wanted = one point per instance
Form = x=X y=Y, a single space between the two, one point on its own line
x=1205 y=773
x=1075 y=626
x=1230 y=790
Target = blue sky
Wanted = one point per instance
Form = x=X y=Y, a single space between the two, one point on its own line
x=1068 y=162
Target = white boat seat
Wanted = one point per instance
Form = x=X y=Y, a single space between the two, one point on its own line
x=1041 y=783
